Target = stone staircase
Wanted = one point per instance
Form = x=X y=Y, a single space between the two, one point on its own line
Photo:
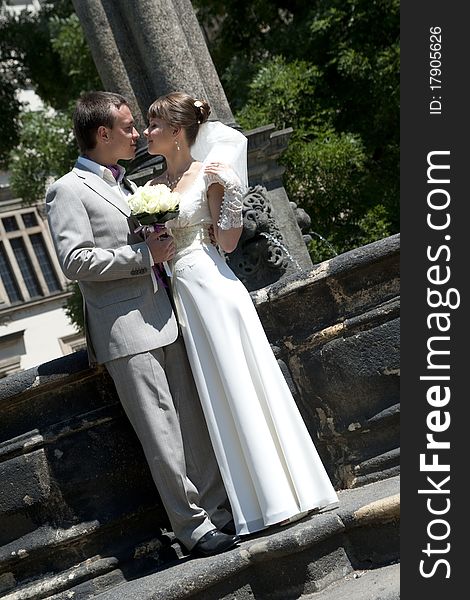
x=348 y=552
x=382 y=583
x=80 y=516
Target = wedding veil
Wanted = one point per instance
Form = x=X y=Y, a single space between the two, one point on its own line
x=217 y=142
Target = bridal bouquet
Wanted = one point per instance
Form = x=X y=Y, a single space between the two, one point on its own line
x=153 y=206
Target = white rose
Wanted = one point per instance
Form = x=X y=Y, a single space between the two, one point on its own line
x=153 y=200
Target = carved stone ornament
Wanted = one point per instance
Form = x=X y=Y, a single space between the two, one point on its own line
x=260 y=258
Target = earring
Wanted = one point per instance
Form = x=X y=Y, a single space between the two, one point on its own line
x=177 y=145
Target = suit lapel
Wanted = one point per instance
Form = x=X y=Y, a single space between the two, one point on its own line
x=99 y=186
x=130 y=185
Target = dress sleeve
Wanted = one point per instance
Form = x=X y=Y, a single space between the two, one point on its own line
x=231 y=210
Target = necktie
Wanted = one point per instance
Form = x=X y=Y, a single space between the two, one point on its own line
x=114 y=170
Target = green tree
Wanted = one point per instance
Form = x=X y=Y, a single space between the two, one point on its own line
x=45 y=148
x=36 y=40
x=9 y=123
x=74 y=307
x=10 y=79
x=47 y=49
x=330 y=70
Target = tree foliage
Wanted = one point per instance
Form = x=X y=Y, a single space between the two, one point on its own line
x=46 y=150
x=330 y=70
x=74 y=307
x=27 y=57
x=48 y=50
x=10 y=79
x=53 y=55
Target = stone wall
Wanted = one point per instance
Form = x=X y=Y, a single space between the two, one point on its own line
x=76 y=498
x=337 y=330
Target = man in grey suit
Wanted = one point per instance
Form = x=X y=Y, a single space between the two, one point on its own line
x=130 y=327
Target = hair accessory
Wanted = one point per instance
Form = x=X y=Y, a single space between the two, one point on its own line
x=198 y=105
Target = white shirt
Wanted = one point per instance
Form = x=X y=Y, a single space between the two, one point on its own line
x=106 y=174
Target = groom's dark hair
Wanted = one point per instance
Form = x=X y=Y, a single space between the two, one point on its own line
x=92 y=110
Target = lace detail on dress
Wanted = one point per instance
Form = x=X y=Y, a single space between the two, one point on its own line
x=231 y=214
x=188 y=239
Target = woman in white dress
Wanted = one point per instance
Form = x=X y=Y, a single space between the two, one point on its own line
x=269 y=464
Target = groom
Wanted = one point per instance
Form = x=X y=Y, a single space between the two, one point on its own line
x=130 y=327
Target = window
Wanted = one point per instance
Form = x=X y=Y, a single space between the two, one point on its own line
x=28 y=265
x=29 y=219
x=26 y=268
x=10 y=224
x=72 y=343
x=9 y=366
x=44 y=261
x=12 y=348
x=8 y=278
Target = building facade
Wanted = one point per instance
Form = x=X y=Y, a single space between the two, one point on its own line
x=34 y=327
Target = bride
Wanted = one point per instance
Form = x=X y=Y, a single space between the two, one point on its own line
x=269 y=464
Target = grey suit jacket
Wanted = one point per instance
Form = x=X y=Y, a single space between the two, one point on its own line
x=93 y=234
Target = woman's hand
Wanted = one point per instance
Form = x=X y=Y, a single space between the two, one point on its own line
x=223 y=173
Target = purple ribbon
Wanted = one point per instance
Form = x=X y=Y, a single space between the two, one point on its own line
x=148 y=229
x=157 y=268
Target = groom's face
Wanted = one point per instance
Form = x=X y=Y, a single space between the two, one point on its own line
x=122 y=136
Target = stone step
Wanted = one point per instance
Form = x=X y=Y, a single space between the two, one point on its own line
x=79 y=511
x=382 y=583
x=360 y=536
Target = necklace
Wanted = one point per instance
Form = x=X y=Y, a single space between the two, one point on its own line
x=174 y=182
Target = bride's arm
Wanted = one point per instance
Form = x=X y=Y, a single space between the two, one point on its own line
x=225 y=195
x=227 y=239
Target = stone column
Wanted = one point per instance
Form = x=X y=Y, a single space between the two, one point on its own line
x=200 y=52
x=147 y=48
x=110 y=53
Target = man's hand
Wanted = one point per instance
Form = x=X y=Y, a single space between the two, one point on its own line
x=161 y=246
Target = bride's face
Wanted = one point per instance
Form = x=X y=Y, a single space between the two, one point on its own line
x=160 y=137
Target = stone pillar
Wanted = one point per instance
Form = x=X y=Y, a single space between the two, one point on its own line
x=265 y=146
x=200 y=52
x=147 y=48
x=111 y=53
x=271 y=246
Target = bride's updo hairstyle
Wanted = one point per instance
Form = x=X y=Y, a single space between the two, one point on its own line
x=181 y=110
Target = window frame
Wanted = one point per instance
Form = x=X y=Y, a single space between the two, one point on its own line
x=24 y=234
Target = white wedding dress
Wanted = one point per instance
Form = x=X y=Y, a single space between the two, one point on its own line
x=268 y=462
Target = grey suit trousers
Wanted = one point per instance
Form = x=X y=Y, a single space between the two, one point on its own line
x=158 y=394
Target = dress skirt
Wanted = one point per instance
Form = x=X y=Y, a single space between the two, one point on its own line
x=267 y=459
